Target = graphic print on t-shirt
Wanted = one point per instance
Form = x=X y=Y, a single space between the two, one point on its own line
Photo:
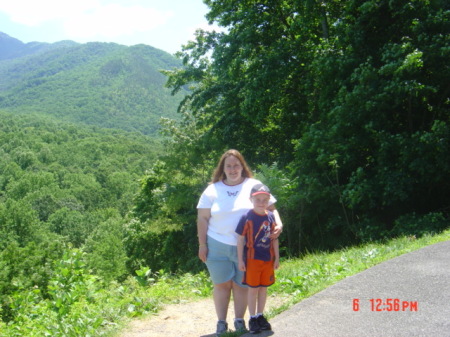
x=265 y=229
x=232 y=194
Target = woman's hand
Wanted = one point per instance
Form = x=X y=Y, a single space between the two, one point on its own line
x=276 y=232
x=203 y=252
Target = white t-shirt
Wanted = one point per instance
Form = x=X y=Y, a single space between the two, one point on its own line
x=227 y=204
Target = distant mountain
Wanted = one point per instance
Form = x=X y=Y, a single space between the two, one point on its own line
x=11 y=48
x=103 y=84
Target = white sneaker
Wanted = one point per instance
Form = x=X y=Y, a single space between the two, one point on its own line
x=222 y=327
x=239 y=325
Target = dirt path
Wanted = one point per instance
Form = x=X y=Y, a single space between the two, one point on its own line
x=190 y=319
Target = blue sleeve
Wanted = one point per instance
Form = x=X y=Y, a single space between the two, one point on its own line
x=241 y=224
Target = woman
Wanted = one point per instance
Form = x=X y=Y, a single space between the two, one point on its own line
x=220 y=207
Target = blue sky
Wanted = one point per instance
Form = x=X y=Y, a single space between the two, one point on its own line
x=164 y=24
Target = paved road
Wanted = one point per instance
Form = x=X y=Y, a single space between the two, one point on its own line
x=418 y=284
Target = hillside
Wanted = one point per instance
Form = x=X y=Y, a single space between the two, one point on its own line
x=102 y=84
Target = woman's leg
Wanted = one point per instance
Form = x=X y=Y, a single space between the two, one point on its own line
x=240 y=295
x=222 y=294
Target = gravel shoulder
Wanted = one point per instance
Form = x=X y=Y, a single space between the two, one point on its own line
x=186 y=319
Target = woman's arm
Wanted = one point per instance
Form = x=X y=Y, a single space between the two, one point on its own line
x=279 y=225
x=203 y=216
x=276 y=250
x=240 y=251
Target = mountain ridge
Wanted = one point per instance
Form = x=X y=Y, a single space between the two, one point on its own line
x=103 y=84
x=12 y=48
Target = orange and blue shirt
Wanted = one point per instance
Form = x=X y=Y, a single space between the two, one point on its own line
x=257 y=228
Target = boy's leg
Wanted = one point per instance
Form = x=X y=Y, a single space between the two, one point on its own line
x=252 y=300
x=253 y=324
x=262 y=321
x=262 y=297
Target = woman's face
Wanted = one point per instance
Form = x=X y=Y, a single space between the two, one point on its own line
x=233 y=170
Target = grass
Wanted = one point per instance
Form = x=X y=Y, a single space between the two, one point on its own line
x=298 y=278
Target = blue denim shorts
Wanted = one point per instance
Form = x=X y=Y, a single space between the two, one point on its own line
x=222 y=263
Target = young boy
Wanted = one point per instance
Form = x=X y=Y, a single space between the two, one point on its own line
x=258 y=255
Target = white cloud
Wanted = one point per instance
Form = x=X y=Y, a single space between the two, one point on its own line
x=34 y=13
x=164 y=24
x=114 y=20
x=84 y=19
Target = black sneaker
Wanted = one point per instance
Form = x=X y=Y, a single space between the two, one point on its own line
x=254 y=326
x=263 y=323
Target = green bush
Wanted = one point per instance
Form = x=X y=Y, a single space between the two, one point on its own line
x=419 y=225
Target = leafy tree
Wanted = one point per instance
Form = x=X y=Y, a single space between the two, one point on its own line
x=105 y=250
x=366 y=155
x=10 y=171
x=122 y=187
x=69 y=223
x=28 y=183
x=161 y=232
x=18 y=222
x=27 y=267
x=350 y=99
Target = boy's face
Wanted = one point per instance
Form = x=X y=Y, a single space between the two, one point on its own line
x=260 y=203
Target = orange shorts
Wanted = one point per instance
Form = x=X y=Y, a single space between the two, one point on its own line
x=259 y=273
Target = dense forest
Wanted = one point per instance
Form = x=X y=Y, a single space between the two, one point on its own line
x=65 y=191
x=342 y=108
x=80 y=126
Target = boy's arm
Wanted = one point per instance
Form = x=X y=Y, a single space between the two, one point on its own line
x=240 y=251
x=276 y=250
